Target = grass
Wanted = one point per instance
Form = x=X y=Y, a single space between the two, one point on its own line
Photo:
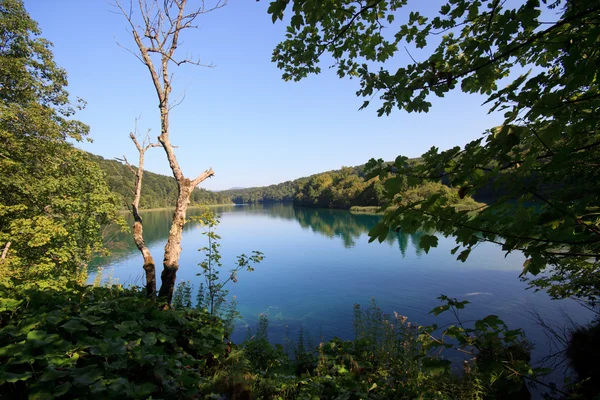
x=365 y=209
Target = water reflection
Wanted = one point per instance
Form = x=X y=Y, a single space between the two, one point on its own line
x=348 y=227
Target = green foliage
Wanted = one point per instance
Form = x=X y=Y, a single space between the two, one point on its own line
x=336 y=189
x=212 y=294
x=346 y=188
x=540 y=72
x=582 y=350
x=280 y=193
x=54 y=201
x=59 y=338
x=501 y=356
x=388 y=358
x=300 y=191
x=261 y=354
x=158 y=191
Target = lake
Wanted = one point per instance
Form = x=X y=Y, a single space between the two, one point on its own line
x=319 y=264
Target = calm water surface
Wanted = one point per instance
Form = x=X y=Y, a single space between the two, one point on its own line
x=319 y=264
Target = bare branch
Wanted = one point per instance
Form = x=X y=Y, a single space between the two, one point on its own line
x=209 y=173
x=129 y=50
x=145 y=57
x=176 y=103
x=124 y=161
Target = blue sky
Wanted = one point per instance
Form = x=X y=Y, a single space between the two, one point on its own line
x=239 y=117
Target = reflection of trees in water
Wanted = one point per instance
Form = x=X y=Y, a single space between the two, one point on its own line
x=336 y=223
x=157 y=224
x=331 y=223
x=349 y=227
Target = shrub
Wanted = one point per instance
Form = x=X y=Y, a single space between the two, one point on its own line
x=60 y=338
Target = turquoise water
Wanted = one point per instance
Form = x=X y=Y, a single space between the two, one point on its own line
x=319 y=264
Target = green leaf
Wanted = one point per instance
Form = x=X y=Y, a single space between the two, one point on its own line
x=109 y=346
x=12 y=377
x=142 y=391
x=379 y=231
x=439 y=309
x=464 y=255
x=149 y=339
x=52 y=374
x=61 y=390
x=534 y=265
x=493 y=321
x=73 y=326
x=86 y=376
x=435 y=366
x=427 y=242
x=394 y=185
x=9 y=304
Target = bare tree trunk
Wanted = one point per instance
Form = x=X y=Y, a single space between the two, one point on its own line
x=158 y=36
x=149 y=268
x=5 y=251
x=138 y=227
x=173 y=246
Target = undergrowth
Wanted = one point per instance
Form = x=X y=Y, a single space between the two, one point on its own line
x=63 y=340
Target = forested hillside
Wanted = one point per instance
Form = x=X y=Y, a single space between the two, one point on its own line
x=342 y=189
x=287 y=192
x=157 y=190
x=279 y=193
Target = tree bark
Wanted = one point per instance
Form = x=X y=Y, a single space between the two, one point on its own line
x=149 y=268
x=158 y=35
x=173 y=246
x=5 y=251
x=138 y=227
x=185 y=187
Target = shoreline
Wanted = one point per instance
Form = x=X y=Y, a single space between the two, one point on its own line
x=173 y=207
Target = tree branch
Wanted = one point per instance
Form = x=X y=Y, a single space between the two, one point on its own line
x=209 y=173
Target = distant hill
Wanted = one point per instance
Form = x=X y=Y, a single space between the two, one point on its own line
x=157 y=190
x=343 y=189
x=289 y=191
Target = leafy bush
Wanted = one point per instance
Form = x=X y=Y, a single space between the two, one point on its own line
x=263 y=355
x=388 y=358
x=61 y=338
x=583 y=352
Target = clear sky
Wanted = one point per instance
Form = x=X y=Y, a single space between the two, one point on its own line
x=239 y=117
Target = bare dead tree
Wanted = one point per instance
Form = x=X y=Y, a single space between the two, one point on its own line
x=156 y=31
x=5 y=251
x=138 y=228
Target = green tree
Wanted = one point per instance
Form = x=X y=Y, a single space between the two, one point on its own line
x=543 y=160
x=53 y=198
x=212 y=294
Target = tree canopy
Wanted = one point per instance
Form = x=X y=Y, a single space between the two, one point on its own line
x=53 y=198
x=537 y=62
x=157 y=191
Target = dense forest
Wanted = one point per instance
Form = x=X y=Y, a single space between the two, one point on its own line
x=340 y=189
x=158 y=190
x=291 y=191
x=343 y=189
x=307 y=191
x=279 y=193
